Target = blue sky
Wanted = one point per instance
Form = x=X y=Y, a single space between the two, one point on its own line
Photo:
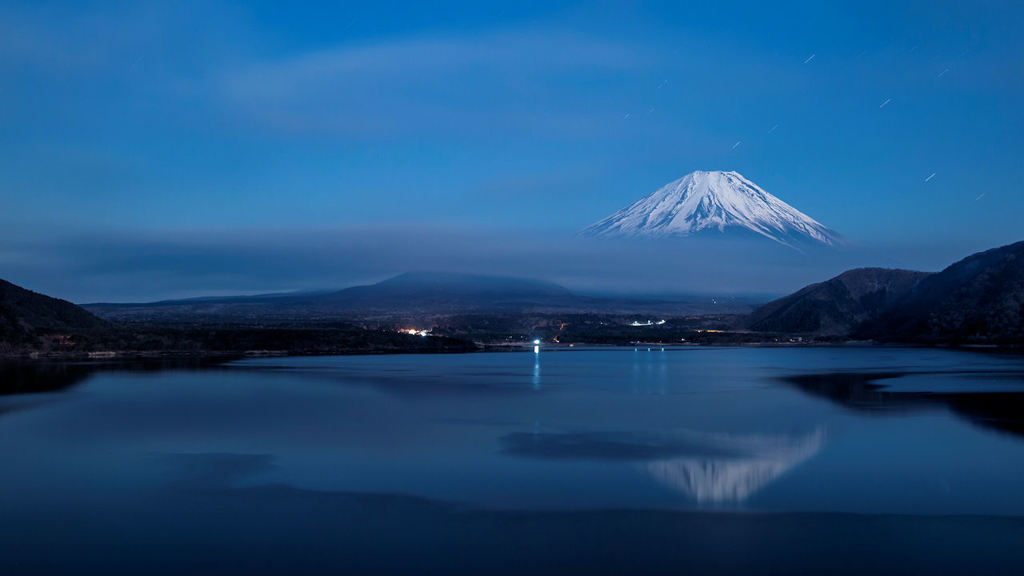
x=210 y=127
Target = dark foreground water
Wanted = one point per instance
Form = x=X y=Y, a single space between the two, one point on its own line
x=832 y=460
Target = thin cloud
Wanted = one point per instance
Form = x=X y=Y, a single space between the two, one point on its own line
x=410 y=84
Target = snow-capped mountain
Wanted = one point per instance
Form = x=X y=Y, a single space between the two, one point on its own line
x=714 y=201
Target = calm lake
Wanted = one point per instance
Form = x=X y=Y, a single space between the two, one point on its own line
x=828 y=460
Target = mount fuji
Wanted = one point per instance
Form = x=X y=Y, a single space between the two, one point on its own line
x=714 y=202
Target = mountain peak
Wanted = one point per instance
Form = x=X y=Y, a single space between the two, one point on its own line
x=709 y=201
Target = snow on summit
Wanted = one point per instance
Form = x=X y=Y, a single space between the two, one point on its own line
x=714 y=202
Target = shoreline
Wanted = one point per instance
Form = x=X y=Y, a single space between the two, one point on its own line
x=220 y=356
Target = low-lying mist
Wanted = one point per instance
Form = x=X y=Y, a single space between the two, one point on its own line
x=146 y=266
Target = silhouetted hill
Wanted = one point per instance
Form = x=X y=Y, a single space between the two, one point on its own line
x=979 y=299
x=32 y=323
x=26 y=318
x=837 y=306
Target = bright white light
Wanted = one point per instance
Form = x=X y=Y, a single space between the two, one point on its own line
x=536 y=349
x=536 y=342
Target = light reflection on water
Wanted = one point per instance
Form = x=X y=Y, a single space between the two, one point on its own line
x=536 y=370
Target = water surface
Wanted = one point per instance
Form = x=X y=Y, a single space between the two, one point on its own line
x=721 y=460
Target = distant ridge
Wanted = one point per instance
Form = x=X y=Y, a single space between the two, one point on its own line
x=409 y=294
x=450 y=288
x=714 y=202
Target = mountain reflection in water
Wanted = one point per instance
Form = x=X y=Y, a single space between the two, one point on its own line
x=733 y=480
x=862 y=391
x=707 y=467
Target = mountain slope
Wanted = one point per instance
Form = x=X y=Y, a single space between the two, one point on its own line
x=837 y=306
x=979 y=299
x=25 y=316
x=714 y=201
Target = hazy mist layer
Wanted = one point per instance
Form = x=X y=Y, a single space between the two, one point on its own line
x=151 y=266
